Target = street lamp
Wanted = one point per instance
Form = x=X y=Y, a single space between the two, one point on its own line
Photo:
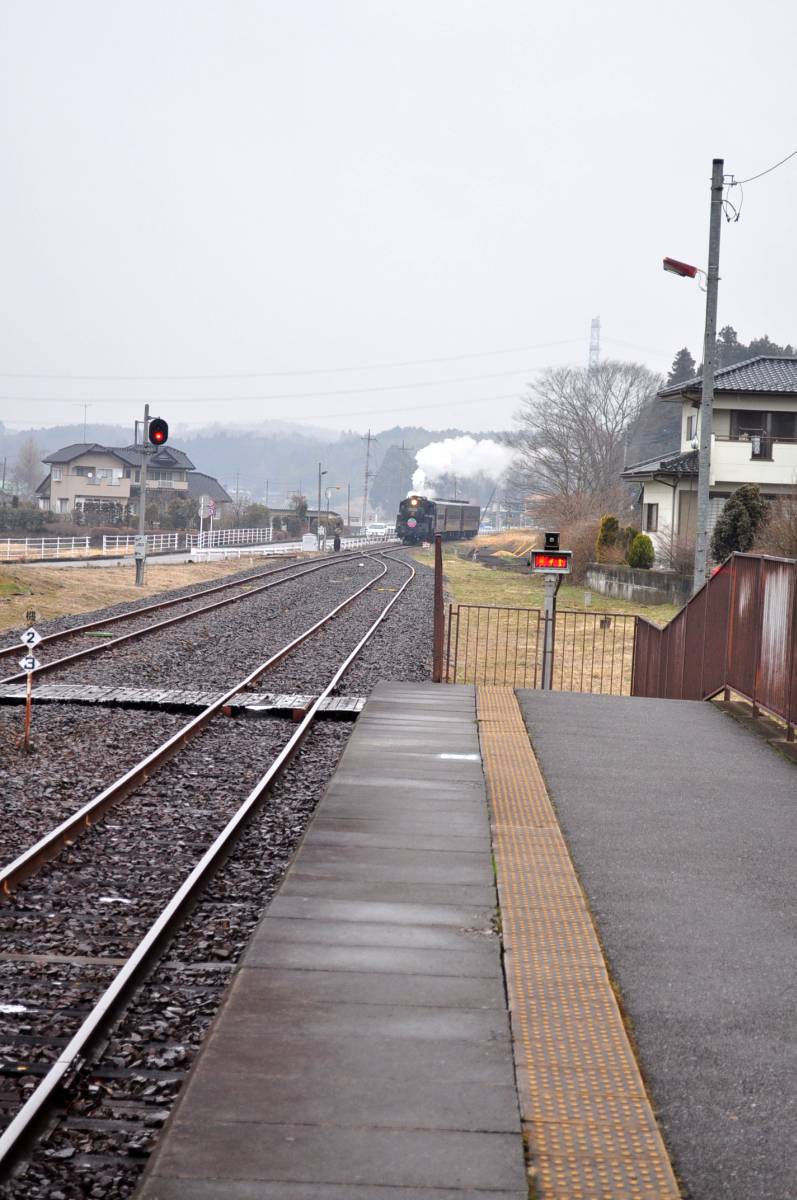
x=318 y=510
x=335 y=487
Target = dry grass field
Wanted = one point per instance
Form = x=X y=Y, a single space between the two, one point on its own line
x=495 y=632
x=64 y=591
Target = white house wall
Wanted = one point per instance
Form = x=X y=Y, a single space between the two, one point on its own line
x=661 y=494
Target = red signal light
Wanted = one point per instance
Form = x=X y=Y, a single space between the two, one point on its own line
x=550 y=562
x=544 y=562
x=158 y=432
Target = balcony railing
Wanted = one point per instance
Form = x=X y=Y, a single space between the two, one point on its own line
x=731 y=458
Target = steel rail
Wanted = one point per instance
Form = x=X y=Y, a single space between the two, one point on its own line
x=47 y=847
x=158 y=625
x=74 y=1054
x=146 y=608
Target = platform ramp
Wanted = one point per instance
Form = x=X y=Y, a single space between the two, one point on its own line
x=683 y=829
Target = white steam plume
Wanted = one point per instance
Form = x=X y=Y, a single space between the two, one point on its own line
x=463 y=456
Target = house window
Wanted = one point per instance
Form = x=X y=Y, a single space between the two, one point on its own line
x=650 y=517
x=58 y=474
x=690 y=428
x=63 y=505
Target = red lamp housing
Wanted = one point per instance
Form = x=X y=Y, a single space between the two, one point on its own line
x=680 y=268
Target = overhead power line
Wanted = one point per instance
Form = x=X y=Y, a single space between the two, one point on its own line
x=769 y=170
x=408 y=362
x=384 y=387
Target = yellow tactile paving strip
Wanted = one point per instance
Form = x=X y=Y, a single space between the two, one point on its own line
x=586 y=1115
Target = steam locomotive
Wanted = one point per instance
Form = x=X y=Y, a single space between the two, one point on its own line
x=420 y=519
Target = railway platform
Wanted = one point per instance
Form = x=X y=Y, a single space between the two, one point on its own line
x=392 y=1031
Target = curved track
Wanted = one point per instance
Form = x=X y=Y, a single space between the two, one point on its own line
x=293 y=573
x=23 y=1126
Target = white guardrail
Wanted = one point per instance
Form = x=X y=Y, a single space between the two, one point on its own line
x=226 y=543
x=125 y=543
x=21 y=549
x=212 y=553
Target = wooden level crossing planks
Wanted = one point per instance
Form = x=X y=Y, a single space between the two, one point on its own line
x=180 y=699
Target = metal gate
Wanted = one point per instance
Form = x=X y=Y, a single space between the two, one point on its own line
x=593 y=651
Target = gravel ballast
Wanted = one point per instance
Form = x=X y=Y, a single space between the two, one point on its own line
x=87 y=910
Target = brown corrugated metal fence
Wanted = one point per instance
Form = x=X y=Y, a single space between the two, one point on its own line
x=738 y=632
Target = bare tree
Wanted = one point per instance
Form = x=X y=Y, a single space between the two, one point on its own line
x=28 y=471
x=779 y=535
x=574 y=425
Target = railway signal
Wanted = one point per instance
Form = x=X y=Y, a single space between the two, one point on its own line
x=552 y=563
x=158 y=432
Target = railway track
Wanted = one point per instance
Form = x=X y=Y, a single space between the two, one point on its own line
x=128 y=1086
x=246 y=588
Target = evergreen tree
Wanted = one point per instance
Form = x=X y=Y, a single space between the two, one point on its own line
x=683 y=367
x=739 y=522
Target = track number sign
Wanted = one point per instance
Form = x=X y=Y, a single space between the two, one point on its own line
x=29 y=663
x=31 y=638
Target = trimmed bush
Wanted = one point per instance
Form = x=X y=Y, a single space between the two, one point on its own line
x=640 y=552
x=607 y=536
x=740 y=520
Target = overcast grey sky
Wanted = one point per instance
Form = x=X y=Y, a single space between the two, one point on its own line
x=222 y=187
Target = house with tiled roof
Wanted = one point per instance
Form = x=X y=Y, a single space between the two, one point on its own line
x=754 y=440
x=86 y=476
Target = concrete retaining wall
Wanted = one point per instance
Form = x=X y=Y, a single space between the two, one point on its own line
x=643 y=587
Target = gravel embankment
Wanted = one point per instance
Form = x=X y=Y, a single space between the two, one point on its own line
x=57 y=624
x=77 y=751
x=88 y=909
x=116 y=1109
x=220 y=648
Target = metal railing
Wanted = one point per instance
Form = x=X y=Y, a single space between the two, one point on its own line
x=230 y=537
x=487 y=644
x=21 y=549
x=737 y=633
x=125 y=543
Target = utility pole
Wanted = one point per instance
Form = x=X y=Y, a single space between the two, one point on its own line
x=141 y=540
x=368 y=474
x=84 y=406
x=266 y=493
x=348 y=501
x=707 y=392
x=318 y=510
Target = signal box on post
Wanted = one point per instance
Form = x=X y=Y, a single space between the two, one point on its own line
x=551 y=560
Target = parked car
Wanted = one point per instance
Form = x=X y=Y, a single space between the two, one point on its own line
x=377 y=529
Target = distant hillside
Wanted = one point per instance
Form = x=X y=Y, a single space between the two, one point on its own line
x=272 y=461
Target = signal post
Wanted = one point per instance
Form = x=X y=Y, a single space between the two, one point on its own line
x=156 y=433
x=552 y=563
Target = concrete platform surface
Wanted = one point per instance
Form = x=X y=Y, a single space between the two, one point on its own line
x=363 y=1049
x=683 y=828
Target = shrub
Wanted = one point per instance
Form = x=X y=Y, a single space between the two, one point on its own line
x=580 y=538
x=607 y=536
x=640 y=552
x=737 y=525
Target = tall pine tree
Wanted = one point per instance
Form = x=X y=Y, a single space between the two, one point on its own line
x=683 y=367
